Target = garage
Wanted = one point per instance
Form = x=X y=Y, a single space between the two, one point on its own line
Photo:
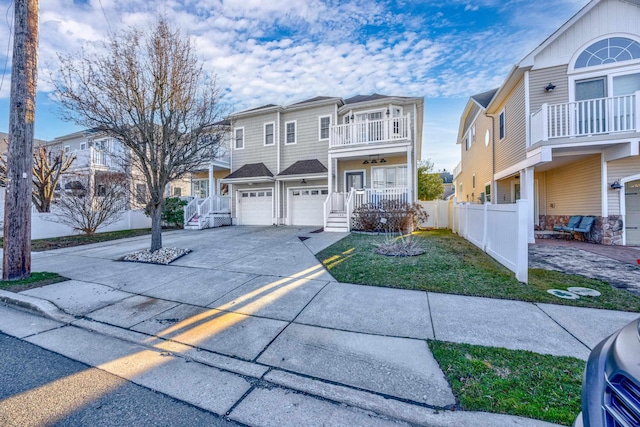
x=307 y=206
x=255 y=207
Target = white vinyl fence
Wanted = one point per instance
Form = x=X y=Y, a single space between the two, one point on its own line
x=499 y=230
x=44 y=225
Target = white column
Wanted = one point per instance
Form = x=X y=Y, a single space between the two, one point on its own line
x=527 y=193
x=410 y=175
x=330 y=173
x=211 y=181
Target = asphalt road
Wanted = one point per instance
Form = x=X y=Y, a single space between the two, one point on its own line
x=39 y=387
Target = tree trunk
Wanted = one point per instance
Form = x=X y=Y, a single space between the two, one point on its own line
x=16 y=263
x=156 y=227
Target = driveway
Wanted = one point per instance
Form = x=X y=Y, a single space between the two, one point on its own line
x=265 y=320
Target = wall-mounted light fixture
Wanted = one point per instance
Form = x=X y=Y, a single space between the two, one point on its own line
x=388 y=112
x=304 y=181
x=616 y=185
x=366 y=162
x=550 y=87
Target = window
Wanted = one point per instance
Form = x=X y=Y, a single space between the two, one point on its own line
x=177 y=191
x=324 y=123
x=101 y=190
x=392 y=177
x=67 y=148
x=471 y=137
x=268 y=133
x=487 y=192
x=291 y=132
x=83 y=145
x=614 y=49
x=473 y=181
x=502 y=124
x=141 y=194
x=239 y=138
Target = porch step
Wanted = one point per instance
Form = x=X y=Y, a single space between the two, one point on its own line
x=329 y=229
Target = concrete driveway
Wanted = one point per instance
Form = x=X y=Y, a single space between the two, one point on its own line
x=265 y=320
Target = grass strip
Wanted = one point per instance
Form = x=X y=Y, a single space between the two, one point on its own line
x=453 y=265
x=514 y=382
x=34 y=281
x=82 y=239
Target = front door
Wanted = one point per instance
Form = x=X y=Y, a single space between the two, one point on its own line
x=354 y=180
x=632 y=212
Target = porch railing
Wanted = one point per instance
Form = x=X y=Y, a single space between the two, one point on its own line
x=370 y=131
x=191 y=209
x=589 y=117
x=220 y=204
x=378 y=196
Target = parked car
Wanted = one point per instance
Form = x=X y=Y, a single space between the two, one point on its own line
x=611 y=385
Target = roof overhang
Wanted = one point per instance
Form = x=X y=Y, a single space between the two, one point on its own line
x=395 y=100
x=247 y=180
x=302 y=176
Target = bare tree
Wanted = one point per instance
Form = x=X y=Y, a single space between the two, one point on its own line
x=149 y=91
x=16 y=259
x=93 y=204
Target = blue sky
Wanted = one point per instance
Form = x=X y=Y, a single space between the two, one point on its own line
x=285 y=51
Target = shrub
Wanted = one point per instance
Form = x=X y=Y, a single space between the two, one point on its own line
x=173 y=212
x=388 y=216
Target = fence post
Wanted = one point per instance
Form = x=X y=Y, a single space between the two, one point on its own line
x=522 y=262
x=485 y=226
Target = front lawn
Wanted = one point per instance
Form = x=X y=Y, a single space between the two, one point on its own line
x=452 y=265
x=514 y=382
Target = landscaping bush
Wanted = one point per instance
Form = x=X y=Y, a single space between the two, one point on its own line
x=173 y=212
x=388 y=216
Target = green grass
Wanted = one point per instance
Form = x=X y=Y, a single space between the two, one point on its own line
x=77 y=240
x=452 y=265
x=514 y=382
x=34 y=281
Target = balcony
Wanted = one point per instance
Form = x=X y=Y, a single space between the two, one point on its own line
x=602 y=116
x=395 y=129
x=457 y=170
x=92 y=157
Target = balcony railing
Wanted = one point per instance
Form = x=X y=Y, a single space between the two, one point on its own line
x=370 y=131
x=92 y=157
x=584 y=118
x=378 y=196
x=457 y=170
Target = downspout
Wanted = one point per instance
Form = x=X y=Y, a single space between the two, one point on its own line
x=278 y=183
x=493 y=159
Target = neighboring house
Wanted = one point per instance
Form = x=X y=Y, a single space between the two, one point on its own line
x=563 y=130
x=314 y=162
x=447 y=184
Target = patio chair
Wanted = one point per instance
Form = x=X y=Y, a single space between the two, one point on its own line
x=586 y=223
x=573 y=222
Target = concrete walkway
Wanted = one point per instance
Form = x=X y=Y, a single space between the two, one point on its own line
x=275 y=339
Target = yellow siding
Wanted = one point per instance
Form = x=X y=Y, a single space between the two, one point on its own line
x=511 y=149
x=540 y=178
x=477 y=160
x=619 y=169
x=574 y=189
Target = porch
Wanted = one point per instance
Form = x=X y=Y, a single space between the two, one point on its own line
x=210 y=212
x=601 y=116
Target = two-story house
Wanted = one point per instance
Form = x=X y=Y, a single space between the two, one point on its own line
x=563 y=130
x=314 y=162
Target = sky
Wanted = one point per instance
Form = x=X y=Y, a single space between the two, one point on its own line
x=281 y=52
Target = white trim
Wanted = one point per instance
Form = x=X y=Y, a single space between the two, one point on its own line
x=254 y=190
x=83 y=146
x=600 y=72
x=302 y=176
x=235 y=147
x=289 y=218
x=264 y=134
x=488 y=183
x=364 y=178
x=623 y=204
x=394 y=166
x=320 y=138
x=295 y=132
x=67 y=148
x=527 y=110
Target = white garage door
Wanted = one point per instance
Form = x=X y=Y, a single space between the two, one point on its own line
x=307 y=206
x=255 y=207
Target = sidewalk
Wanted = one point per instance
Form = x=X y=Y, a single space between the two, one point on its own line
x=269 y=324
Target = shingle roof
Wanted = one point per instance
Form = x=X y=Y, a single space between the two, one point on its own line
x=364 y=98
x=447 y=177
x=258 y=108
x=251 y=170
x=304 y=167
x=315 y=99
x=484 y=98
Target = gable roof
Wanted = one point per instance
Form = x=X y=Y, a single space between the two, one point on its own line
x=305 y=167
x=483 y=99
x=251 y=170
x=314 y=99
x=365 y=98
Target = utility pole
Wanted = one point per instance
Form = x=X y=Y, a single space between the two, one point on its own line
x=16 y=261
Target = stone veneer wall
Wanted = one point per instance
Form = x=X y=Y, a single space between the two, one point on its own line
x=606 y=231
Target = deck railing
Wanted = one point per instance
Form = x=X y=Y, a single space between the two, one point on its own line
x=370 y=131
x=378 y=196
x=219 y=204
x=191 y=210
x=584 y=118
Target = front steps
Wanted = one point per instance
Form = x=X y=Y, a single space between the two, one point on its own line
x=337 y=222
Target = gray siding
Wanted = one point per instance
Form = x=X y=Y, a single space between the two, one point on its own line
x=539 y=79
x=254 y=150
x=512 y=149
x=308 y=144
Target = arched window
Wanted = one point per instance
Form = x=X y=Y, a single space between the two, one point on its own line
x=607 y=51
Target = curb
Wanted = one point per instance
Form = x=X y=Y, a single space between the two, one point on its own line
x=43 y=307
